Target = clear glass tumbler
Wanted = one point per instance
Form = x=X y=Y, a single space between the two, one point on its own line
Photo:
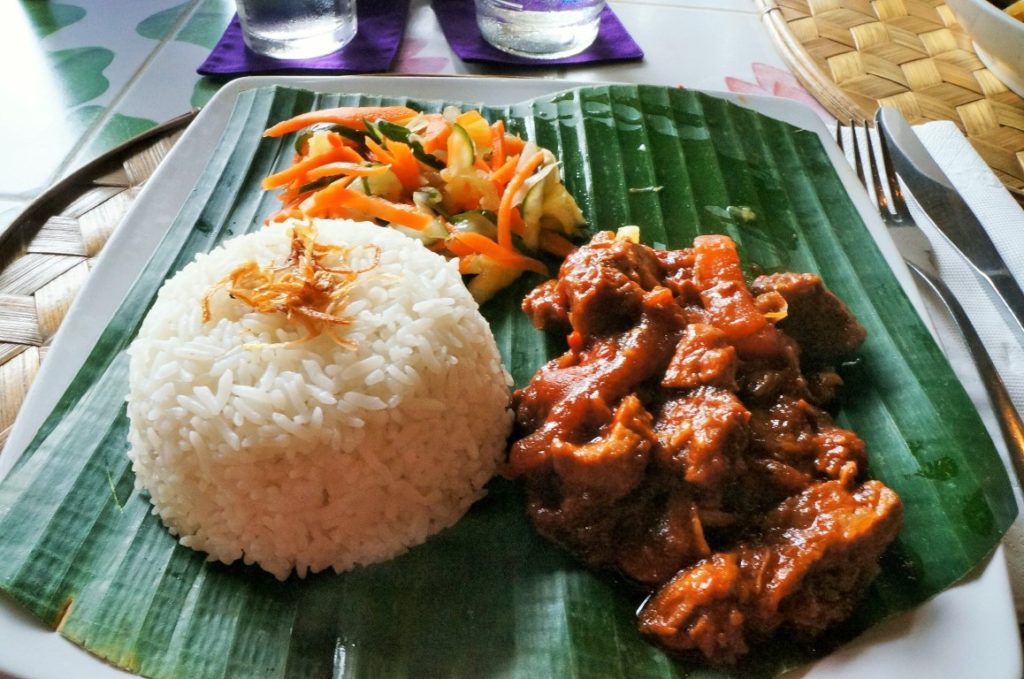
x=539 y=29
x=297 y=29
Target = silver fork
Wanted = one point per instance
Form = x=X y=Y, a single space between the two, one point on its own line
x=916 y=250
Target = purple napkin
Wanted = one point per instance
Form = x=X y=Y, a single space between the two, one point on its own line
x=381 y=24
x=458 y=21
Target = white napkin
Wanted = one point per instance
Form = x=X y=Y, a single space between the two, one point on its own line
x=1004 y=221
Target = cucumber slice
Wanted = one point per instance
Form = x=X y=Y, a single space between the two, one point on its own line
x=532 y=211
x=492 y=278
x=426 y=158
x=476 y=221
x=386 y=185
x=461 y=152
x=433 y=233
x=429 y=199
x=560 y=211
x=372 y=131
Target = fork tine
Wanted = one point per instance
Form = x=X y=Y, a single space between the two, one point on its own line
x=876 y=178
x=858 y=164
x=899 y=203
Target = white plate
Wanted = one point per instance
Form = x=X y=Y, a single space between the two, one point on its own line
x=968 y=631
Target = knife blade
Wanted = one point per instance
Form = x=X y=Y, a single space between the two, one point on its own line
x=949 y=213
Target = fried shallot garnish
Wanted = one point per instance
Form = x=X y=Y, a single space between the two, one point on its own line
x=310 y=288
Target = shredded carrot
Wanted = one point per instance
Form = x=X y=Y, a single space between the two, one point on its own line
x=290 y=192
x=283 y=214
x=349 y=116
x=337 y=195
x=479 y=164
x=379 y=154
x=435 y=138
x=514 y=144
x=506 y=257
x=457 y=247
x=556 y=244
x=298 y=170
x=347 y=169
x=349 y=154
x=404 y=164
x=505 y=206
x=497 y=144
x=517 y=223
x=503 y=174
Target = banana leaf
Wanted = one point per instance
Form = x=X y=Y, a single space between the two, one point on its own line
x=80 y=549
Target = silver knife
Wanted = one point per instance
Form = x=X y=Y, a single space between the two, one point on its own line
x=948 y=211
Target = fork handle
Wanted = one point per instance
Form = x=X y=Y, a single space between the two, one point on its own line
x=1006 y=413
x=1010 y=294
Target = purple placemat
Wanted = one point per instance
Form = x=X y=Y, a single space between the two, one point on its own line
x=458 y=22
x=381 y=24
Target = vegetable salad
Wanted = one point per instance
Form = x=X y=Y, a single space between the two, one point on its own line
x=465 y=187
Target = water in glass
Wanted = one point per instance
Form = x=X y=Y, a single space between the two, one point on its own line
x=297 y=29
x=540 y=29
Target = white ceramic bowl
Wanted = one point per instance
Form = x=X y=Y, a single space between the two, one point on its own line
x=998 y=39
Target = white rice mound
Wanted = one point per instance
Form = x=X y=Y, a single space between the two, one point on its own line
x=316 y=456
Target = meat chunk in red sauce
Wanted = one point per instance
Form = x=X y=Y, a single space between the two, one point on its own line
x=604 y=283
x=817 y=553
x=590 y=500
x=573 y=395
x=702 y=435
x=823 y=325
x=611 y=465
x=702 y=357
x=660 y=532
x=680 y=443
x=573 y=498
x=803 y=436
x=546 y=308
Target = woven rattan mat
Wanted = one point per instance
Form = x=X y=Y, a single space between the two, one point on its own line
x=855 y=55
x=47 y=252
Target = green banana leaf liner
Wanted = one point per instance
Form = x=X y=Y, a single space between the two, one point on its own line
x=80 y=549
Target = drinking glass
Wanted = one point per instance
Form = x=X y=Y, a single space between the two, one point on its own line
x=297 y=29
x=540 y=29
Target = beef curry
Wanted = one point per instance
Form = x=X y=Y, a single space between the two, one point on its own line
x=683 y=441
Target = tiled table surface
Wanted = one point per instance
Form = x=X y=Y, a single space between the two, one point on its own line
x=80 y=76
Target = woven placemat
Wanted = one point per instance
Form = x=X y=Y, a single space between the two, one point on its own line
x=856 y=55
x=47 y=252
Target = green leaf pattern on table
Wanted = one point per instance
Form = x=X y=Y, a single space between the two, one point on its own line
x=160 y=24
x=488 y=597
x=80 y=70
x=203 y=28
x=206 y=25
x=50 y=17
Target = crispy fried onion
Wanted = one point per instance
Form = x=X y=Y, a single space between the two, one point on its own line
x=310 y=288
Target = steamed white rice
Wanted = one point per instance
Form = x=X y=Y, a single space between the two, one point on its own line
x=316 y=456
